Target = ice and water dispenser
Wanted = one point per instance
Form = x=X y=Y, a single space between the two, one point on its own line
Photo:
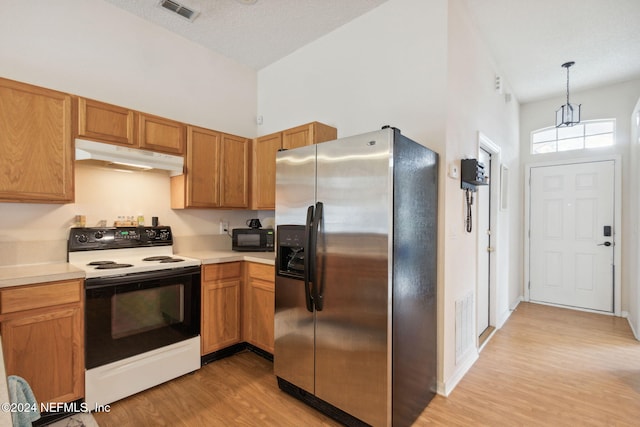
x=291 y=254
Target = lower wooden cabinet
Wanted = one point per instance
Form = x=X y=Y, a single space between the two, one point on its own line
x=260 y=305
x=220 y=300
x=238 y=303
x=42 y=329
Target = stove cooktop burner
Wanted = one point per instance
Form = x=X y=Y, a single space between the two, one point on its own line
x=163 y=259
x=101 y=262
x=112 y=265
x=156 y=258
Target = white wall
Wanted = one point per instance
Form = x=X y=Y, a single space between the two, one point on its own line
x=96 y=50
x=391 y=66
x=615 y=101
x=474 y=106
x=387 y=67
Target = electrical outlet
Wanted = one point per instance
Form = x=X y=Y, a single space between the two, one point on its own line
x=224 y=227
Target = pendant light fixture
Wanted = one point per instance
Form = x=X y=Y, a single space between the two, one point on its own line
x=568 y=114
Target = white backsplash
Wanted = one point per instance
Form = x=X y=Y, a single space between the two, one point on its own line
x=33 y=233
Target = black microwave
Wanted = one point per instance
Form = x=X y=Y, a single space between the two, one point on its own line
x=252 y=239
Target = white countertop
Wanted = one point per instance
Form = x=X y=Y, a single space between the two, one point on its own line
x=38 y=273
x=220 y=256
x=28 y=274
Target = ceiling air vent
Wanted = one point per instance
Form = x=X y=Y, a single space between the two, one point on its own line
x=179 y=9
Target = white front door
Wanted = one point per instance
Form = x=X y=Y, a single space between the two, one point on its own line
x=572 y=235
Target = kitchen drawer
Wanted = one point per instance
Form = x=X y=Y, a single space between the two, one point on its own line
x=42 y=295
x=222 y=271
x=261 y=271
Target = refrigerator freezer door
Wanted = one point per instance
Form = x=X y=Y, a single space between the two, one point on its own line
x=294 y=324
x=352 y=343
x=295 y=184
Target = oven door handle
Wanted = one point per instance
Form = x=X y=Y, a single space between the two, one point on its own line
x=102 y=282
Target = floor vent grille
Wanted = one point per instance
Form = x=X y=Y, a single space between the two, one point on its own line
x=179 y=9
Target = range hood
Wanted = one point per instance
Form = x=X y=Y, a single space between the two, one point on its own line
x=128 y=157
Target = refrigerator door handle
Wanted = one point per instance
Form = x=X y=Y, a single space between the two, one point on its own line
x=307 y=252
x=317 y=286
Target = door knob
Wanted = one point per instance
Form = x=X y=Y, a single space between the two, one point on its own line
x=605 y=244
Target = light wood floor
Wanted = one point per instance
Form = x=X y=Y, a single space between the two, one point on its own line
x=546 y=367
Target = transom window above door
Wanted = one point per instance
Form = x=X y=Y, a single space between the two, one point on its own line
x=585 y=135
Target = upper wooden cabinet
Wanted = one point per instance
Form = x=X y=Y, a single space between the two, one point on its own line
x=265 y=148
x=159 y=134
x=202 y=168
x=263 y=174
x=112 y=124
x=234 y=172
x=216 y=172
x=106 y=123
x=311 y=133
x=36 y=142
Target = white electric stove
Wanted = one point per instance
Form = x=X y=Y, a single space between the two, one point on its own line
x=142 y=309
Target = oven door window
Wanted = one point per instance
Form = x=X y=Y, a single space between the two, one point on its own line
x=127 y=319
x=137 y=312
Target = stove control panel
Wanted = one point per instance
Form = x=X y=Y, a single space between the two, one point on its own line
x=88 y=238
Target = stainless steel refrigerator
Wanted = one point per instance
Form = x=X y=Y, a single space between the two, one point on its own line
x=355 y=315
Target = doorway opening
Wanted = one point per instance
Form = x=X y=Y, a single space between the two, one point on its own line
x=487 y=233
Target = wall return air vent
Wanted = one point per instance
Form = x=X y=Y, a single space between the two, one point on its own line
x=179 y=9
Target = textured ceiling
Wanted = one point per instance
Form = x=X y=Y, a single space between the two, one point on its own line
x=258 y=34
x=529 y=39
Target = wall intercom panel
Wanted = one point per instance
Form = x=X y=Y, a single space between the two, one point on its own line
x=472 y=174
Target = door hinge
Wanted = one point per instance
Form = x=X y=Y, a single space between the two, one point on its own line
x=529 y=285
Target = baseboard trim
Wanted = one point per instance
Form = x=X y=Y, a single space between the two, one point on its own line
x=234 y=349
x=504 y=316
x=447 y=387
x=633 y=330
